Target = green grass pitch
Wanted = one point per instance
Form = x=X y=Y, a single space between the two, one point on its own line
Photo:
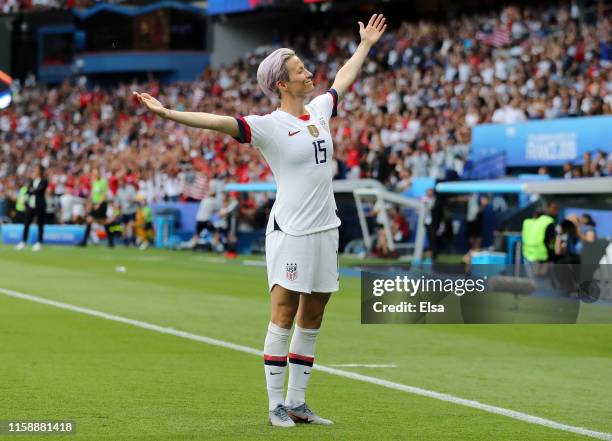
x=120 y=382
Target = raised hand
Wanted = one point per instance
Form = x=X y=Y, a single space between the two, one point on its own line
x=151 y=103
x=371 y=33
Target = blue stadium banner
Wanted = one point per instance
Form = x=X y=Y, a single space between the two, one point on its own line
x=548 y=143
x=230 y=6
x=54 y=234
x=487 y=167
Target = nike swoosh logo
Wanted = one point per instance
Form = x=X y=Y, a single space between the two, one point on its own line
x=275 y=373
x=294 y=133
x=306 y=373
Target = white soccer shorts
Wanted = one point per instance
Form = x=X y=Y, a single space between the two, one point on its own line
x=305 y=264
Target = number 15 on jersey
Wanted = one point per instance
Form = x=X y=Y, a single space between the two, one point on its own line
x=320 y=151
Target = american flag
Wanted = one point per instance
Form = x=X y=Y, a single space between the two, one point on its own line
x=499 y=37
x=196 y=186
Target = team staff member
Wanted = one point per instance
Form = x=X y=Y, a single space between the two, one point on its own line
x=20 y=204
x=302 y=232
x=35 y=207
x=98 y=211
x=128 y=206
x=538 y=237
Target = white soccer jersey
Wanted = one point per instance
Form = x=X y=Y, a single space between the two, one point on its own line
x=299 y=152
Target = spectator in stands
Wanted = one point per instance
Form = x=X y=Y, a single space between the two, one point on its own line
x=587 y=165
x=510 y=112
x=428 y=85
x=586 y=228
x=577 y=172
x=405 y=180
x=173 y=186
x=599 y=164
x=567 y=170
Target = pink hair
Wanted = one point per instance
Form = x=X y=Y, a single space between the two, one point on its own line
x=272 y=69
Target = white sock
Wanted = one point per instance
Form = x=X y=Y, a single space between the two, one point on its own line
x=275 y=363
x=301 y=358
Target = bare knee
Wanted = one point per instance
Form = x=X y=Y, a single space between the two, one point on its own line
x=311 y=320
x=285 y=305
x=283 y=316
x=312 y=307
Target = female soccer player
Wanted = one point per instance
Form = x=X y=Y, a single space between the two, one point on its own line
x=302 y=232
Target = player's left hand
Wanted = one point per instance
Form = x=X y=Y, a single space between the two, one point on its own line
x=371 y=33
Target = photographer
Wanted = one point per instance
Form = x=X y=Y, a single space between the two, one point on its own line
x=566 y=243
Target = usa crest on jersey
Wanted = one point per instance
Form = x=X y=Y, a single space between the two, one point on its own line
x=292 y=272
x=313 y=130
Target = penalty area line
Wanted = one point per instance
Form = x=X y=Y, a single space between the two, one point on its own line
x=520 y=416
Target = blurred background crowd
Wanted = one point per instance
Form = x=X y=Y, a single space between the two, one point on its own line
x=409 y=114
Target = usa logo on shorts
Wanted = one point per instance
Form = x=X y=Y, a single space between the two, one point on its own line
x=292 y=271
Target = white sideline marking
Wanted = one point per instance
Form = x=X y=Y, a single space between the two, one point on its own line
x=365 y=365
x=341 y=373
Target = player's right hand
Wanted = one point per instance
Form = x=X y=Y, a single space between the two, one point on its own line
x=151 y=103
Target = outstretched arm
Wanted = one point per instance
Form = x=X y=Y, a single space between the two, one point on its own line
x=370 y=34
x=200 y=120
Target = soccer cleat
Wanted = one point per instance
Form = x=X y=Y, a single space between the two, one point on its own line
x=303 y=414
x=36 y=247
x=279 y=417
x=20 y=246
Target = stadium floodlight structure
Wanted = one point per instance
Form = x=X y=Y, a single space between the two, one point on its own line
x=384 y=197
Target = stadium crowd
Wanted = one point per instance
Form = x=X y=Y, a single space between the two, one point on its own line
x=409 y=115
x=14 y=6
